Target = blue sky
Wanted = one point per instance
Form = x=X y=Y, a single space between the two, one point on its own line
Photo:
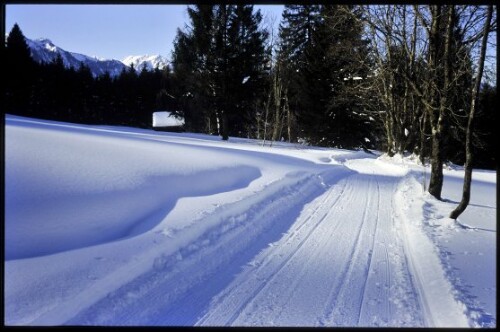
x=108 y=31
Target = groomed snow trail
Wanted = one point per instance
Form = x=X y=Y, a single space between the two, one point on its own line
x=200 y=232
x=344 y=262
x=181 y=283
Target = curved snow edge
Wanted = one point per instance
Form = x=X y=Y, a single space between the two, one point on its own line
x=214 y=241
x=440 y=307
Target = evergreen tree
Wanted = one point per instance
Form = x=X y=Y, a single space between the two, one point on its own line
x=246 y=71
x=20 y=78
x=17 y=46
x=324 y=53
x=485 y=139
x=164 y=97
x=105 y=99
x=84 y=101
x=296 y=32
x=292 y=100
x=212 y=58
x=192 y=65
x=347 y=59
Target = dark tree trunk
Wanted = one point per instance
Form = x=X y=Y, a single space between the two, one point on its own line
x=225 y=78
x=277 y=86
x=224 y=129
x=436 y=181
x=423 y=143
x=468 y=140
x=389 y=128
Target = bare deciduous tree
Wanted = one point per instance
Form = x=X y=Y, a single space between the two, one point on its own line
x=469 y=131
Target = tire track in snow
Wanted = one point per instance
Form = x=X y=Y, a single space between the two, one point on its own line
x=350 y=269
x=389 y=294
x=177 y=282
x=434 y=291
x=343 y=269
x=301 y=290
x=292 y=235
x=328 y=227
x=379 y=256
x=344 y=300
x=371 y=253
x=265 y=271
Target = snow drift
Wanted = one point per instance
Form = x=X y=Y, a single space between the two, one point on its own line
x=121 y=226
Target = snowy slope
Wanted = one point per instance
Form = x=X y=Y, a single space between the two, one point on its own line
x=151 y=62
x=121 y=226
x=43 y=50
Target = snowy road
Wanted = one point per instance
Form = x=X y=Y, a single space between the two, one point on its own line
x=331 y=268
x=251 y=236
x=343 y=263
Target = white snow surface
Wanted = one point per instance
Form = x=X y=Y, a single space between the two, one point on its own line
x=166 y=119
x=43 y=50
x=113 y=226
x=150 y=61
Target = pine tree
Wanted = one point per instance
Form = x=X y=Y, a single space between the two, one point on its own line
x=296 y=32
x=20 y=78
x=192 y=64
x=83 y=86
x=17 y=46
x=246 y=71
x=486 y=138
x=323 y=52
x=105 y=102
x=347 y=59
x=291 y=86
x=164 y=97
x=212 y=58
x=59 y=91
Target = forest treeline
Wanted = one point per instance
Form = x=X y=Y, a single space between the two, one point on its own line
x=397 y=78
x=52 y=91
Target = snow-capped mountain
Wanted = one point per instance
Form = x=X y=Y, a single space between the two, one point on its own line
x=150 y=61
x=44 y=50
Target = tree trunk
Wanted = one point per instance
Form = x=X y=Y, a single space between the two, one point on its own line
x=390 y=138
x=436 y=181
x=225 y=87
x=289 y=118
x=277 y=103
x=423 y=143
x=224 y=131
x=266 y=118
x=468 y=140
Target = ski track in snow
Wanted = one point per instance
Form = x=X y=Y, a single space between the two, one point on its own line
x=173 y=277
x=337 y=266
x=332 y=246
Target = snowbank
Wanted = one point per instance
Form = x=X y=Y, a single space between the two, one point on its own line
x=122 y=226
x=67 y=190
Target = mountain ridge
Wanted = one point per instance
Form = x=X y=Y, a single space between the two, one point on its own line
x=149 y=61
x=43 y=50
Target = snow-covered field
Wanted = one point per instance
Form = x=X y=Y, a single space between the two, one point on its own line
x=121 y=226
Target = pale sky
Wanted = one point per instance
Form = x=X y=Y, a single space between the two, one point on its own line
x=108 y=31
